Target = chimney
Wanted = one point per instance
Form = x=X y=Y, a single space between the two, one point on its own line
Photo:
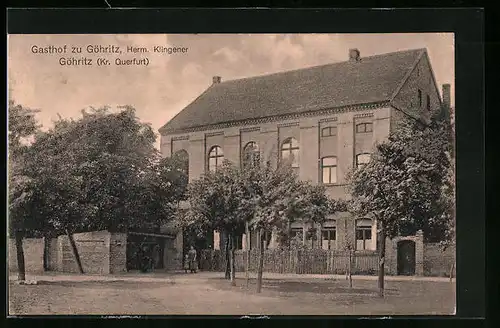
x=446 y=96
x=216 y=79
x=354 y=54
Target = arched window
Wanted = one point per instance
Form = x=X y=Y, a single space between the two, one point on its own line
x=329 y=235
x=329 y=169
x=290 y=151
x=364 y=234
x=251 y=154
x=183 y=157
x=362 y=160
x=364 y=127
x=215 y=158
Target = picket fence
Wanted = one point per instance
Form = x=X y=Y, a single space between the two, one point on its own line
x=309 y=261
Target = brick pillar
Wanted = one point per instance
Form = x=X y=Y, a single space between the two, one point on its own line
x=318 y=235
x=117 y=253
x=244 y=242
x=419 y=253
x=216 y=240
x=390 y=256
x=304 y=233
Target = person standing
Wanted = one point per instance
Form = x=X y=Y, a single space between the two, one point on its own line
x=193 y=258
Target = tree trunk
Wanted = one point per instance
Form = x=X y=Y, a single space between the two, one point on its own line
x=247 y=266
x=261 y=263
x=46 y=249
x=21 y=270
x=349 y=273
x=233 y=267
x=381 y=266
x=75 y=251
x=227 y=273
x=451 y=271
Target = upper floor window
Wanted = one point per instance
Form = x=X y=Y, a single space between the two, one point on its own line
x=364 y=234
x=215 y=158
x=329 y=169
x=428 y=103
x=290 y=151
x=419 y=98
x=362 y=160
x=251 y=155
x=364 y=127
x=329 y=131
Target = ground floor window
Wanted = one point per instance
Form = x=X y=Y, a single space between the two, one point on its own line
x=296 y=232
x=266 y=237
x=328 y=237
x=364 y=234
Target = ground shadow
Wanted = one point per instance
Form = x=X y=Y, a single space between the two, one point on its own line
x=119 y=284
x=333 y=287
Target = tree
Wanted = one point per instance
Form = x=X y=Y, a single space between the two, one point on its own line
x=22 y=126
x=216 y=204
x=401 y=187
x=102 y=172
x=276 y=198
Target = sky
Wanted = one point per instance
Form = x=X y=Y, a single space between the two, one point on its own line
x=169 y=82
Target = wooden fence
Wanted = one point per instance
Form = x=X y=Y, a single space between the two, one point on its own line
x=313 y=261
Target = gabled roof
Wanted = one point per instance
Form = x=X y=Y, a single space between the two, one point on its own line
x=370 y=80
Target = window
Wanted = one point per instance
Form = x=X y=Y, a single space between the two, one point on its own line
x=364 y=127
x=238 y=242
x=294 y=232
x=266 y=238
x=329 y=169
x=419 y=98
x=364 y=234
x=329 y=131
x=328 y=236
x=251 y=154
x=290 y=151
x=215 y=158
x=428 y=103
x=362 y=160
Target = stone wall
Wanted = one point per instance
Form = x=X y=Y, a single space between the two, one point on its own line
x=33 y=255
x=52 y=255
x=391 y=253
x=117 y=252
x=438 y=262
x=93 y=248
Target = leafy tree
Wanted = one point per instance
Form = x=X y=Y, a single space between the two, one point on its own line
x=402 y=186
x=216 y=204
x=101 y=171
x=22 y=125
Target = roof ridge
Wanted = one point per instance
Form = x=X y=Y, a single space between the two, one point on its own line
x=318 y=66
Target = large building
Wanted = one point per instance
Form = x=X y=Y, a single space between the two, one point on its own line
x=325 y=118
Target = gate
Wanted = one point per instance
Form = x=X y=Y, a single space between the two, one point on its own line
x=406 y=258
x=145 y=253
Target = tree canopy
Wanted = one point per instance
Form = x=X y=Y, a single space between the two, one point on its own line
x=22 y=126
x=101 y=171
x=403 y=184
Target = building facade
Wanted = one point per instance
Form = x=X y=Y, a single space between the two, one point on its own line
x=326 y=119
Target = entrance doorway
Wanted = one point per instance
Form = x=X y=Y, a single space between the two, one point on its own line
x=406 y=258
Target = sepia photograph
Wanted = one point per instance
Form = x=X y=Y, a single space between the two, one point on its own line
x=231 y=174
